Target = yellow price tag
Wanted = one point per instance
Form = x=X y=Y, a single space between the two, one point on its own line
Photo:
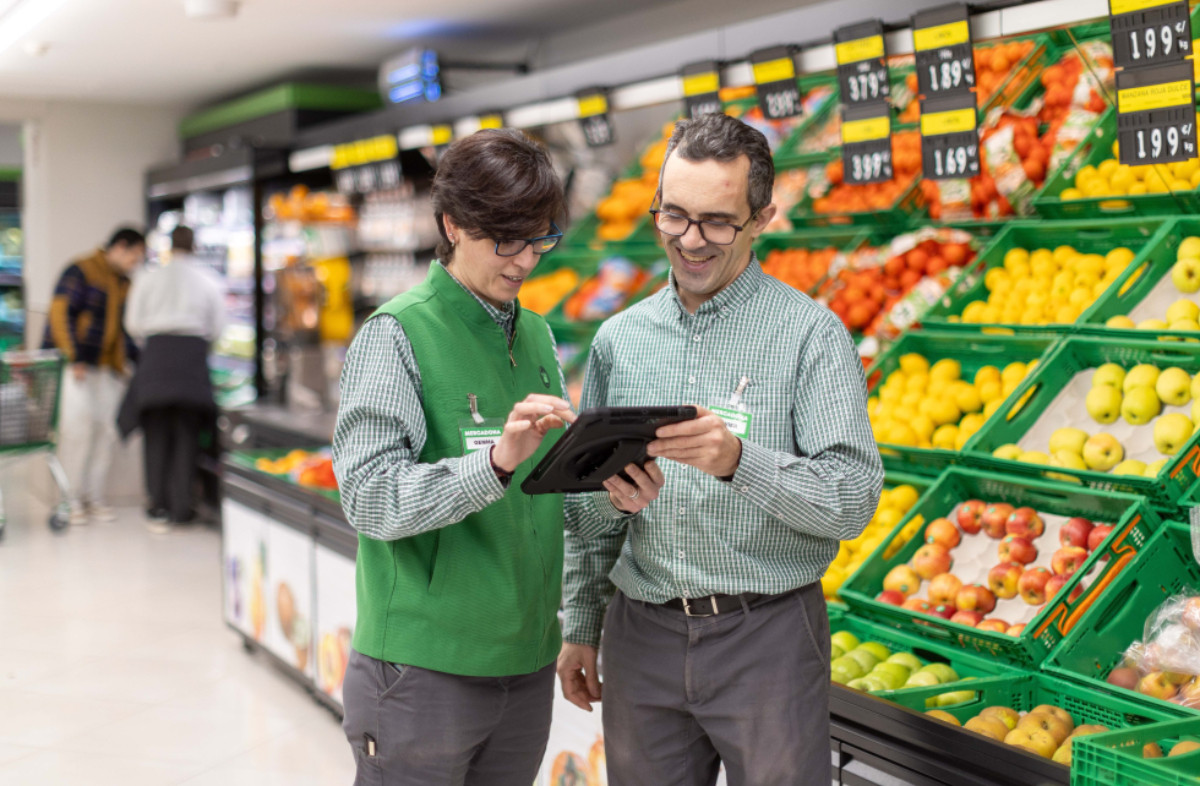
x=1149 y=97
x=865 y=130
x=442 y=135
x=869 y=48
x=700 y=84
x=491 y=121
x=593 y=105
x=779 y=70
x=365 y=151
x=943 y=35
x=1132 y=6
x=950 y=122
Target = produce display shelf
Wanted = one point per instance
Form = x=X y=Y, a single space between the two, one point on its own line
x=247 y=460
x=1134 y=522
x=1073 y=356
x=844 y=240
x=1115 y=758
x=909 y=205
x=1142 y=236
x=1097 y=639
x=972 y=353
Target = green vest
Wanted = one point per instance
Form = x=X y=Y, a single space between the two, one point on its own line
x=480 y=597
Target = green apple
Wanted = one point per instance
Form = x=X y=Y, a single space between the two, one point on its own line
x=955 y=697
x=1183 y=309
x=942 y=671
x=1109 y=374
x=1171 y=432
x=846 y=640
x=845 y=669
x=1174 y=387
x=1185 y=274
x=922 y=679
x=898 y=669
x=1069 y=459
x=1103 y=452
x=872 y=684
x=1155 y=467
x=1104 y=404
x=889 y=680
x=1142 y=375
x=1130 y=467
x=907 y=660
x=1120 y=321
x=1009 y=452
x=880 y=652
x=856 y=684
x=835 y=652
x=1141 y=405
x=1071 y=439
x=864 y=657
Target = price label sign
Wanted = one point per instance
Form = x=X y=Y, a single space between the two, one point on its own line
x=593 y=118
x=442 y=135
x=945 y=57
x=775 y=82
x=491 y=120
x=367 y=165
x=862 y=62
x=950 y=137
x=701 y=88
x=1156 y=114
x=867 y=143
x=1149 y=32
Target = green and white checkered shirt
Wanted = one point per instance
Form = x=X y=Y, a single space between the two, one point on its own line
x=386 y=493
x=810 y=473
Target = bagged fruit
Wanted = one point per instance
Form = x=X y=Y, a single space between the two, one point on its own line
x=1167 y=660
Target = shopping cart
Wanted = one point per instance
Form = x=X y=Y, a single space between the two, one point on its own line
x=29 y=388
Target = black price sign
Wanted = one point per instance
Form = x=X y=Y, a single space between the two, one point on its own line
x=775 y=82
x=1148 y=32
x=862 y=62
x=867 y=144
x=1156 y=114
x=950 y=137
x=944 y=54
x=367 y=165
x=701 y=88
x=593 y=118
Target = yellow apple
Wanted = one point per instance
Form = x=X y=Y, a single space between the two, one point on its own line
x=1007 y=715
x=1102 y=452
x=1130 y=467
x=1120 y=321
x=1182 y=309
x=1110 y=374
x=1008 y=452
x=1069 y=458
x=1142 y=375
x=1140 y=406
x=1103 y=403
x=988 y=727
x=1174 y=387
x=1189 y=248
x=1033 y=457
x=1157 y=325
x=1185 y=274
x=1171 y=432
x=1154 y=468
x=1071 y=439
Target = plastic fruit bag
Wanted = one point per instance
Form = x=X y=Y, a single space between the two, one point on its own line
x=1167 y=660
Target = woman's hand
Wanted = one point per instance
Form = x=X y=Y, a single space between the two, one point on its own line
x=528 y=423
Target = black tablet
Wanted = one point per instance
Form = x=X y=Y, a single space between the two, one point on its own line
x=598 y=445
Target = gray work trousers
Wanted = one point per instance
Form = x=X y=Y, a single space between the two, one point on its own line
x=749 y=689
x=415 y=727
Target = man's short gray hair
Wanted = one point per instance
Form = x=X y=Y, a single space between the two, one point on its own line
x=723 y=138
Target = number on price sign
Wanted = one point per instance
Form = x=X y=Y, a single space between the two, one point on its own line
x=867 y=143
x=1156 y=115
x=945 y=57
x=775 y=82
x=1149 y=32
x=593 y=118
x=701 y=88
x=862 y=62
x=949 y=137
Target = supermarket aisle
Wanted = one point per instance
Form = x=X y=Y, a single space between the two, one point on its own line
x=115 y=667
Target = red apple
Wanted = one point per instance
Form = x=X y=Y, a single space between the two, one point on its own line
x=1055 y=585
x=1032 y=586
x=975 y=597
x=943 y=532
x=1016 y=630
x=918 y=604
x=943 y=590
x=1015 y=548
x=994 y=625
x=995 y=518
x=902 y=579
x=1025 y=523
x=969 y=618
x=969 y=515
x=943 y=611
x=1124 y=677
x=891 y=597
x=1097 y=536
x=1068 y=559
x=1004 y=580
x=932 y=560
x=1075 y=532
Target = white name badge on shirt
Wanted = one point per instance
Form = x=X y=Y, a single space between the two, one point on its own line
x=736 y=421
x=479 y=437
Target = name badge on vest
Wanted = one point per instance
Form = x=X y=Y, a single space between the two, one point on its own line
x=734 y=413
x=478 y=433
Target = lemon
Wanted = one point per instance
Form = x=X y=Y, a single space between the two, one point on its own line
x=914 y=363
x=996 y=275
x=1044 y=268
x=889 y=518
x=973 y=422
x=922 y=426
x=1138 y=189
x=1070 y=194
x=1015 y=256
x=1122 y=179
x=912 y=398
x=1085 y=174
x=1195 y=179
x=972 y=311
x=943 y=412
x=987 y=374
x=1108 y=166
x=1118 y=258
x=1063 y=254
x=1120 y=321
x=904 y=497
x=917 y=382
x=902 y=434
x=1080 y=297
x=946 y=368
x=945 y=437
x=990 y=315
x=992 y=406
x=968 y=399
x=1014 y=372
x=1116 y=150
x=1066 y=315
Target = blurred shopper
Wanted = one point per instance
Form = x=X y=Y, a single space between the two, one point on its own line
x=447 y=394
x=85 y=325
x=175 y=312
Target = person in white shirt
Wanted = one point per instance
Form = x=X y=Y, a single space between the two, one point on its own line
x=176 y=312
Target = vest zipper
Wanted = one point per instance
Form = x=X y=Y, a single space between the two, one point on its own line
x=512 y=341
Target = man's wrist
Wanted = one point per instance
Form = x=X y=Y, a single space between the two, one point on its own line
x=737 y=459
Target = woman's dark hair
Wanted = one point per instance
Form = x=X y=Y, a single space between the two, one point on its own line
x=183 y=239
x=496 y=183
x=128 y=237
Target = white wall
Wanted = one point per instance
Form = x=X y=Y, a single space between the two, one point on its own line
x=84 y=165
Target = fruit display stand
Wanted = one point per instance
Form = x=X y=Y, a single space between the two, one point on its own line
x=966 y=357
x=1132 y=520
x=1089 y=262
x=1116 y=757
x=1055 y=397
x=1096 y=641
x=806 y=259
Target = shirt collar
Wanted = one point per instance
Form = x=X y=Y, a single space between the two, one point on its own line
x=732 y=296
x=501 y=316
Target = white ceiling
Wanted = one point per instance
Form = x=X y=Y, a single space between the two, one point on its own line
x=147 y=51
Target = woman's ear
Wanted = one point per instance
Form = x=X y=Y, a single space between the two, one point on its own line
x=451 y=229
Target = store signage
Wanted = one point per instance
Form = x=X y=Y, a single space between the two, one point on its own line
x=1156 y=114
x=701 y=88
x=950 y=137
x=442 y=135
x=1148 y=32
x=945 y=56
x=861 y=62
x=775 y=82
x=867 y=143
x=593 y=117
x=491 y=120
x=367 y=165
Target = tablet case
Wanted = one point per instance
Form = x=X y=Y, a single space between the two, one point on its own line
x=600 y=444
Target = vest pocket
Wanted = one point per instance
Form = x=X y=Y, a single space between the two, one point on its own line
x=439 y=562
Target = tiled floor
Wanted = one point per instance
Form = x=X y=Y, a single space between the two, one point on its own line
x=115 y=667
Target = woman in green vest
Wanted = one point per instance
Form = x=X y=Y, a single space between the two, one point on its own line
x=447 y=394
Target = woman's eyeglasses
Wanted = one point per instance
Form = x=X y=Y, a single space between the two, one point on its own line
x=541 y=245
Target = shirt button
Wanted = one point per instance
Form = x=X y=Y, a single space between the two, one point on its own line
x=682 y=511
x=681 y=554
x=744 y=489
x=696 y=337
x=691 y=380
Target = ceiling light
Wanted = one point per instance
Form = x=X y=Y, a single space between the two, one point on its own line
x=210 y=9
x=22 y=18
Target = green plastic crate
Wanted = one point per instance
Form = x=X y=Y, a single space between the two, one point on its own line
x=841 y=239
x=1136 y=284
x=972 y=353
x=1115 y=758
x=247 y=459
x=1133 y=521
x=570 y=332
x=1097 y=639
x=909 y=205
x=1074 y=355
x=1142 y=236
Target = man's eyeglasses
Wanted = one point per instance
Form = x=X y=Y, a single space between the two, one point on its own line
x=541 y=245
x=719 y=233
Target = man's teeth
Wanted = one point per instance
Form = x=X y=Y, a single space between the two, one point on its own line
x=691 y=258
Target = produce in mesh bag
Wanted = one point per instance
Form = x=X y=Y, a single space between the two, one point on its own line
x=1166 y=663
